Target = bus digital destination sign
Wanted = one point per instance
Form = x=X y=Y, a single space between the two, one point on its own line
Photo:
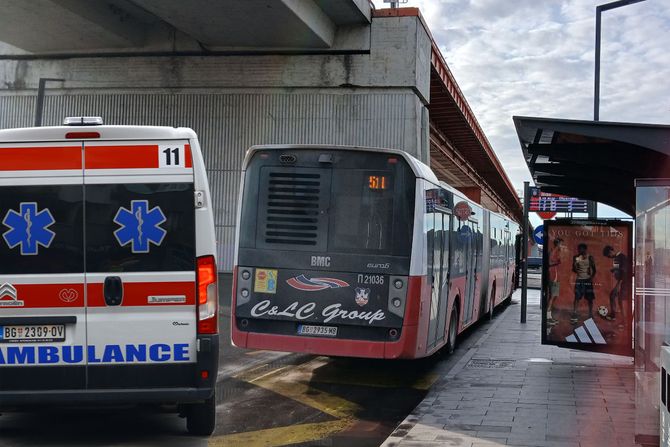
x=377 y=182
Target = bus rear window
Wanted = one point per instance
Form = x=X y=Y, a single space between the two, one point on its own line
x=358 y=202
x=361 y=211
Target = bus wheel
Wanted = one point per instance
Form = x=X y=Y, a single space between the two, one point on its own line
x=453 y=330
x=201 y=418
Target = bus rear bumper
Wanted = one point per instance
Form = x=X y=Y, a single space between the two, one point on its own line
x=404 y=348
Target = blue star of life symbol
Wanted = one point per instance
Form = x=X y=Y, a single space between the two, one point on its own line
x=28 y=228
x=140 y=226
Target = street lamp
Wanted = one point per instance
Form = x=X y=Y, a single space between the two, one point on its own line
x=599 y=10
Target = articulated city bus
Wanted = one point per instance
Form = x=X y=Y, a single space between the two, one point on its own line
x=361 y=252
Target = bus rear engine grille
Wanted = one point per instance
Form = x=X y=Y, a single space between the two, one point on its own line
x=293 y=209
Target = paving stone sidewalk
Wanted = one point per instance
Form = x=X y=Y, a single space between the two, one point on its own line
x=508 y=389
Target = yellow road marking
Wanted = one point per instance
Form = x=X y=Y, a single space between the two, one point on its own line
x=255 y=352
x=295 y=382
x=282 y=435
x=269 y=374
x=371 y=376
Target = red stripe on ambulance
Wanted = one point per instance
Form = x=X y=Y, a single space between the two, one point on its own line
x=188 y=161
x=129 y=157
x=40 y=158
x=32 y=296
x=139 y=293
x=121 y=157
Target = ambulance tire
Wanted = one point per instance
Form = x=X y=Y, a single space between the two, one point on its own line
x=201 y=418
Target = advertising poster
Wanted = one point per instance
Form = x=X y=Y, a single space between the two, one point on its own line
x=586 y=285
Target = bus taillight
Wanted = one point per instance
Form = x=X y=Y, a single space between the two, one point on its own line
x=208 y=321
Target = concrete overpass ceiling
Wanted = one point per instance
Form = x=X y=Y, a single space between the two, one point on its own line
x=347 y=12
x=59 y=25
x=51 y=26
x=258 y=23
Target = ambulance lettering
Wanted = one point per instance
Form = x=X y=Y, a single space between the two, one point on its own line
x=28 y=228
x=140 y=226
x=44 y=355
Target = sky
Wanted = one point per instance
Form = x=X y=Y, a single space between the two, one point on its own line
x=536 y=58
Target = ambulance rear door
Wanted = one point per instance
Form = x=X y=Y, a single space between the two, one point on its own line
x=42 y=299
x=140 y=264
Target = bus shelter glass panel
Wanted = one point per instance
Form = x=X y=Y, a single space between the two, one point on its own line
x=652 y=313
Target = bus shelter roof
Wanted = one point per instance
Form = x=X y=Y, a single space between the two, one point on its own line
x=594 y=160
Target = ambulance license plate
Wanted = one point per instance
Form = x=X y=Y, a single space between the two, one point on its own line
x=32 y=333
x=321 y=331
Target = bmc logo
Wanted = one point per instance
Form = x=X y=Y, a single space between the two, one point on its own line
x=320 y=261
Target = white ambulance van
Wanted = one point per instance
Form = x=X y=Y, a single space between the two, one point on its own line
x=108 y=284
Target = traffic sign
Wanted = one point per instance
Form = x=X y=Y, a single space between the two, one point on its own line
x=546 y=214
x=538 y=235
x=462 y=210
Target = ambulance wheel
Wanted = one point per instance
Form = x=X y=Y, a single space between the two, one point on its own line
x=201 y=418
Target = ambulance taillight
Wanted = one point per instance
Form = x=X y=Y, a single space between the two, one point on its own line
x=208 y=319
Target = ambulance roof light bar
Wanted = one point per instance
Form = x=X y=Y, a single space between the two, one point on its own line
x=82 y=121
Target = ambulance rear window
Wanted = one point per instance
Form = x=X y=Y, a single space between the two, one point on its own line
x=140 y=227
x=41 y=229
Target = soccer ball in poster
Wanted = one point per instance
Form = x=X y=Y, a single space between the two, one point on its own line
x=603 y=311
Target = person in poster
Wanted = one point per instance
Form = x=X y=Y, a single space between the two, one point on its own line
x=584 y=266
x=619 y=270
x=554 y=283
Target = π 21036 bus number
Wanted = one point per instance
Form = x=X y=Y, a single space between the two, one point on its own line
x=371 y=279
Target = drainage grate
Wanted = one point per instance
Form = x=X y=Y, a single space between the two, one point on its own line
x=489 y=364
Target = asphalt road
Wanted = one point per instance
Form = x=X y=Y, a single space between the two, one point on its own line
x=264 y=399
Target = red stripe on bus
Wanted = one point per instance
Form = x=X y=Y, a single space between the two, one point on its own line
x=138 y=293
x=122 y=157
x=32 y=296
x=40 y=158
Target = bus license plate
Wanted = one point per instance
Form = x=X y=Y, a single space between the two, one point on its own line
x=32 y=333
x=322 y=331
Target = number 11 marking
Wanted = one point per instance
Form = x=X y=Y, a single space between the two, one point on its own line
x=171 y=156
x=168 y=156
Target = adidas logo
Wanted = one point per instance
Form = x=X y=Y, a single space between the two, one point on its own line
x=588 y=333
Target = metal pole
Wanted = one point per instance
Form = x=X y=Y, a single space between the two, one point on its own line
x=39 y=109
x=524 y=255
x=40 y=103
x=596 y=86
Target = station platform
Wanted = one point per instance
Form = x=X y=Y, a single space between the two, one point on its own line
x=508 y=389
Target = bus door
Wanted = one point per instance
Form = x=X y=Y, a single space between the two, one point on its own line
x=507 y=276
x=438 y=262
x=471 y=255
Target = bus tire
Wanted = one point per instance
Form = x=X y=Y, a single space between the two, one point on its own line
x=453 y=330
x=201 y=418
